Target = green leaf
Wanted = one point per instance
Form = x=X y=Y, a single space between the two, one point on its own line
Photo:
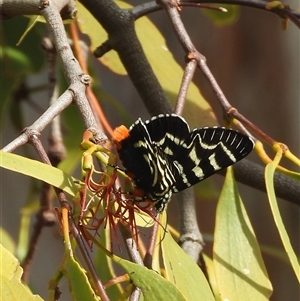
x=40 y=171
x=269 y=178
x=12 y=288
x=167 y=70
x=240 y=270
x=32 y=21
x=183 y=272
x=80 y=287
x=153 y=286
x=209 y=264
x=104 y=265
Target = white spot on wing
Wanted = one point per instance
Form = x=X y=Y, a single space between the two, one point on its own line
x=198 y=172
x=213 y=162
x=193 y=156
x=168 y=151
x=182 y=174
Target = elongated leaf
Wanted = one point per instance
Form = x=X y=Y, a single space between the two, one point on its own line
x=269 y=177
x=154 y=287
x=40 y=171
x=12 y=289
x=50 y=175
x=240 y=270
x=183 y=272
x=80 y=286
x=209 y=264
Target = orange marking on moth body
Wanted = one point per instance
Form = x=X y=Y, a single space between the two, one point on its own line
x=120 y=133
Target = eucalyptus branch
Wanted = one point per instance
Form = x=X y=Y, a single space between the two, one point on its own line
x=13 y=8
x=191 y=239
x=186 y=80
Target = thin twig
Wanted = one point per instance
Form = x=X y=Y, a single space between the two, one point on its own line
x=38 y=126
x=186 y=80
x=151 y=245
x=57 y=150
x=131 y=244
x=283 y=11
x=44 y=217
x=73 y=73
x=134 y=256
